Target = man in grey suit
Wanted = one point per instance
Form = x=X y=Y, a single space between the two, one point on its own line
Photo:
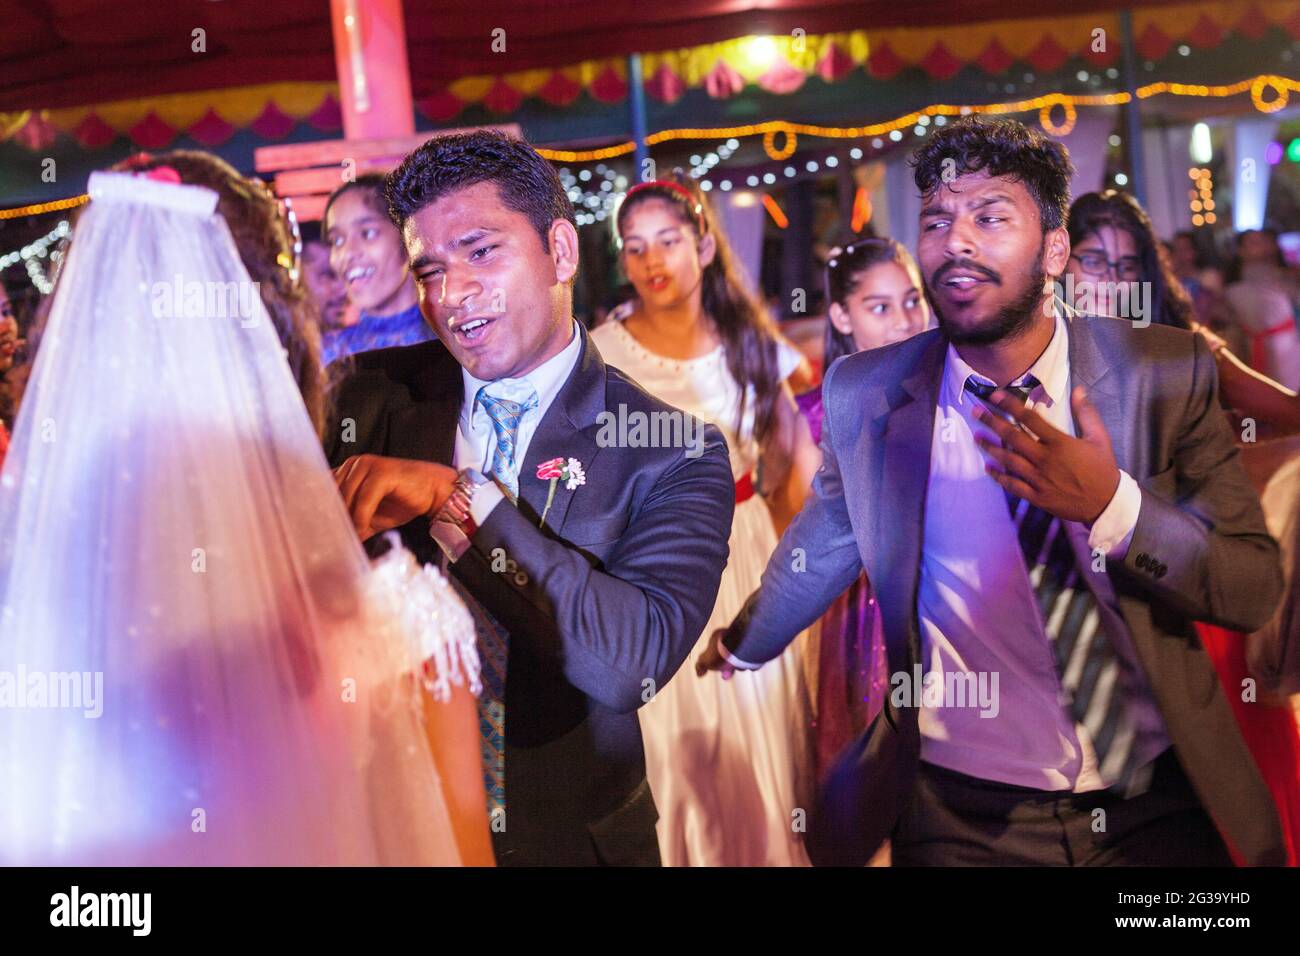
x=1044 y=502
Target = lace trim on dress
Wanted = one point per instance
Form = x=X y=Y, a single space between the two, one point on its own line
x=662 y=360
x=432 y=624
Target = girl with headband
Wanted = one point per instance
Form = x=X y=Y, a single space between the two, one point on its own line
x=725 y=760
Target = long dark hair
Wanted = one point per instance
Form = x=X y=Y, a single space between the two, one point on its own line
x=371 y=188
x=749 y=336
x=1235 y=267
x=266 y=246
x=844 y=271
x=1170 y=303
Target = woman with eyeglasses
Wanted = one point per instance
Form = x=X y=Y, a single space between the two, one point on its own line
x=1112 y=243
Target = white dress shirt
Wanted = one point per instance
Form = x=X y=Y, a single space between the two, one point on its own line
x=978 y=613
x=475 y=437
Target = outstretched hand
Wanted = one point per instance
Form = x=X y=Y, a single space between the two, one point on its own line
x=1072 y=478
x=711 y=660
x=382 y=493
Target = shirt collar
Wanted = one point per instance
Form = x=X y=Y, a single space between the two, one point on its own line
x=1052 y=369
x=545 y=381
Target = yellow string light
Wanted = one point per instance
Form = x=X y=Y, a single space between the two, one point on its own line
x=1045 y=118
x=37 y=209
x=1256 y=86
x=1281 y=86
x=786 y=151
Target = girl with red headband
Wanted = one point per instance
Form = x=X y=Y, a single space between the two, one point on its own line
x=726 y=760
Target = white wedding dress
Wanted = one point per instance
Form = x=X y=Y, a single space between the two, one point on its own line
x=198 y=664
x=729 y=762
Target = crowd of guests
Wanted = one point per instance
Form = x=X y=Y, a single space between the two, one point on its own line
x=696 y=337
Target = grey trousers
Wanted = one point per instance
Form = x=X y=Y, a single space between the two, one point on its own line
x=957 y=820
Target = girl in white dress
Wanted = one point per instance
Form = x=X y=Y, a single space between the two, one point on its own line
x=728 y=762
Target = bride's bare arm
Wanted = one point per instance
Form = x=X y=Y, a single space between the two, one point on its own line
x=453 y=732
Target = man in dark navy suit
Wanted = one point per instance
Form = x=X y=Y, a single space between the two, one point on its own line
x=592 y=567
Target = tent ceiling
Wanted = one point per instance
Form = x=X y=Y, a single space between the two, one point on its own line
x=61 y=53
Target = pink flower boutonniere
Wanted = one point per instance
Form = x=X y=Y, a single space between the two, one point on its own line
x=560 y=469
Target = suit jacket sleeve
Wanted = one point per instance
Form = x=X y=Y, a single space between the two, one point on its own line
x=361 y=409
x=1200 y=543
x=611 y=630
x=815 y=561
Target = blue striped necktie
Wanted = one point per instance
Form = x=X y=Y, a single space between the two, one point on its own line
x=506 y=416
x=493 y=639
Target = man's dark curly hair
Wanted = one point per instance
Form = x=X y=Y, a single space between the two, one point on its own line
x=1001 y=147
x=527 y=183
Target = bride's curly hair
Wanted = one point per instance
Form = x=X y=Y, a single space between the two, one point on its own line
x=266 y=246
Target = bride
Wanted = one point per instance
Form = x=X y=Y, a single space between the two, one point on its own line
x=198 y=664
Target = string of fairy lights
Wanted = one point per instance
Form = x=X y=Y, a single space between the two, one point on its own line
x=34 y=253
x=596 y=191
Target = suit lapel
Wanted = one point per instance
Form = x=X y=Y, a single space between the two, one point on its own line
x=1090 y=368
x=567 y=430
x=908 y=429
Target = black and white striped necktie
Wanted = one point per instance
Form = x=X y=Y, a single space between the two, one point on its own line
x=1089 y=669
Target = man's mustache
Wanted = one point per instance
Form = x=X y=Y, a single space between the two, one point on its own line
x=963 y=265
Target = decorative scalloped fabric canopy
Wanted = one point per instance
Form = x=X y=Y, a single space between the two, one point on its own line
x=269 y=63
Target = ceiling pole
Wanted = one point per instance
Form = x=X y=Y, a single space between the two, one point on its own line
x=1137 y=174
x=636 y=105
x=374 y=75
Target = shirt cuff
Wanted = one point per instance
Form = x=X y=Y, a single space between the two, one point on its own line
x=732 y=659
x=486 y=497
x=1113 y=529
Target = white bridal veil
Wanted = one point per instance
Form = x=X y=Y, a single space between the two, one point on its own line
x=197 y=663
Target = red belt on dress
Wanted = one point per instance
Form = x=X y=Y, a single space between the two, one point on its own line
x=744 y=489
x=1258 y=356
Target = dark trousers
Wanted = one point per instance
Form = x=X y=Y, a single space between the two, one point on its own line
x=956 y=820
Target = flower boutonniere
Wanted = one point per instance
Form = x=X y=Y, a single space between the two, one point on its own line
x=560 y=469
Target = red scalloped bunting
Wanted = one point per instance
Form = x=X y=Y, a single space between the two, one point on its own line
x=152 y=133
x=1253 y=24
x=1292 y=25
x=211 y=129
x=994 y=58
x=1108 y=56
x=38 y=133
x=1249 y=19
x=723 y=81
x=272 y=123
x=940 y=62
x=883 y=62
x=1153 y=43
x=835 y=64
x=93 y=133
x=665 y=85
x=782 y=78
x=608 y=86
x=1205 y=34
x=327 y=117
x=440 y=106
x=502 y=97
x=559 y=89
x=1047 y=55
